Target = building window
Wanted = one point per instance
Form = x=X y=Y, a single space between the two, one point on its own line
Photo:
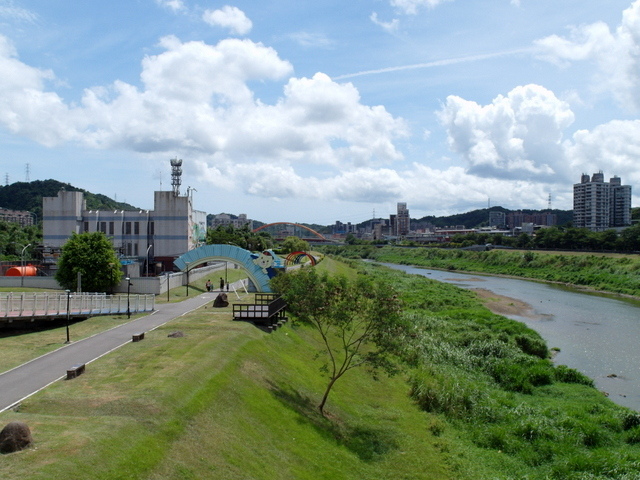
x=127 y=228
x=110 y=228
x=103 y=227
x=135 y=249
x=136 y=228
x=151 y=228
x=86 y=226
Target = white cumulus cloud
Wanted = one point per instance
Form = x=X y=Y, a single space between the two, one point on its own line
x=175 y=5
x=390 y=26
x=195 y=100
x=411 y=7
x=517 y=136
x=229 y=17
x=616 y=54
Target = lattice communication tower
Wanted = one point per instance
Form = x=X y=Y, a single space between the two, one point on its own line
x=176 y=175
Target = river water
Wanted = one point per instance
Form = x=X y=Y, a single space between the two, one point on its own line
x=598 y=335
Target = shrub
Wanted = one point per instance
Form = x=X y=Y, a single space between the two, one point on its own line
x=445 y=390
x=532 y=345
x=564 y=374
x=633 y=436
x=630 y=420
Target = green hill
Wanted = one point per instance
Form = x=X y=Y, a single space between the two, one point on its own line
x=27 y=196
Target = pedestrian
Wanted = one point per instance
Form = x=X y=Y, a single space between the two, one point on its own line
x=221 y=283
x=208 y=285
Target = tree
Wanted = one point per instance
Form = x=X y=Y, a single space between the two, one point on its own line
x=13 y=238
x=358 y=321
x=294 y=244
x=240 y=237
x=93 y=256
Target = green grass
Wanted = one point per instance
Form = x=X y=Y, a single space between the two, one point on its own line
x=226 y=401
x=478 y=400
x=602 y=272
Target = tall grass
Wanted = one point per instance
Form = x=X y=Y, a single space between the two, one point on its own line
x=491 y=377
x=617 y=274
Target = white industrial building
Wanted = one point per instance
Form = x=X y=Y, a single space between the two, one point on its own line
x=160 y=235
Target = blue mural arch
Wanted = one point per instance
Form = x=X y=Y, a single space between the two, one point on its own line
x=260 y=267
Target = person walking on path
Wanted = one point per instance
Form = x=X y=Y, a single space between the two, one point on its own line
x=221 y=283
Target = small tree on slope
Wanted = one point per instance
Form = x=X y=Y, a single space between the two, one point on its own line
x=358 y=321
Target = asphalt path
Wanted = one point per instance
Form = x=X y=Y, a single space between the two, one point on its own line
x=31 y=377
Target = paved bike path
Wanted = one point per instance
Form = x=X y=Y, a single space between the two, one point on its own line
x=31 y=377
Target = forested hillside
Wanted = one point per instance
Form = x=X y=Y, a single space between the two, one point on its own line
x=27 y=196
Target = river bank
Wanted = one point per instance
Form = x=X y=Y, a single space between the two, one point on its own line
x=618 y=275
x=503 y=305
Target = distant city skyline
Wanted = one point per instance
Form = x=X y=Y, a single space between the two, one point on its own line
x=317 y=112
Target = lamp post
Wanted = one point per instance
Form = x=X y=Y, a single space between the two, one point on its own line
x=187 y=279
x=148 y=248
x=22 y=263
x=68 y=314
x=128 y=292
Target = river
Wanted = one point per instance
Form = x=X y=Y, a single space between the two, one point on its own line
x=596 y=334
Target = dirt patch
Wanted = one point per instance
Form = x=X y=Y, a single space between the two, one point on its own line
x=501 y=305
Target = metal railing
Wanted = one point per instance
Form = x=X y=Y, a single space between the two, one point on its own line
x=54 y=304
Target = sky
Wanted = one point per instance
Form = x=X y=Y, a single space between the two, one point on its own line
x=323 y=111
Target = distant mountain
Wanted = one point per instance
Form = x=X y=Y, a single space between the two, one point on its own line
x=475 y=218
x=480 y=217
x=27 y=196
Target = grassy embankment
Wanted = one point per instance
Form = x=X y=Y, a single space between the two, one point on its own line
x=228 y=401
x=18 y=347
x=609 y=273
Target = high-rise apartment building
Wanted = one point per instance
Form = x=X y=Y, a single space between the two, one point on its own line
x=402 y=220
x=600 y=205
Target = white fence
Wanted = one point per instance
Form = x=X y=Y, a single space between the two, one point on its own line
x=50 y=305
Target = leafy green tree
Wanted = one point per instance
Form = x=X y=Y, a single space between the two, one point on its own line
x=93 y=256
x=13 y=238
x=359 y=321
x=240 y=237
x=630 y=238
x=523 y=241
x=294 y=244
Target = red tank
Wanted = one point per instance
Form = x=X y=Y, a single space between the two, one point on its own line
x=27 y=271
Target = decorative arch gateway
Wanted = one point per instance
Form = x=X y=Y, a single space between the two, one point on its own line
x=295 y=258
x=257 y=268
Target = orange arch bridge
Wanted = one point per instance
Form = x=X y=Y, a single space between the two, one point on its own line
x=295 y=257
x=316 y=237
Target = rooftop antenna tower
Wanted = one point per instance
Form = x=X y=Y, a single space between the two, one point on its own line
x=6 y=179
x=549 y=202
x=26 y=171
x=176 y=175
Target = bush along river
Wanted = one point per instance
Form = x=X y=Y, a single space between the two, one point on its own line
x=596 y=334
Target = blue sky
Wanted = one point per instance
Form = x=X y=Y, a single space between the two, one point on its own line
x=323 y=111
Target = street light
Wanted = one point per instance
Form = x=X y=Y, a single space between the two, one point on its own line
x=68 y=314
x=128 y=293
x=148 y=248
x=22 y=264
x=187 y=279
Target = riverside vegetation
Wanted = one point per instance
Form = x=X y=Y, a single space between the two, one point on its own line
x=605 y=272
x=476 y=397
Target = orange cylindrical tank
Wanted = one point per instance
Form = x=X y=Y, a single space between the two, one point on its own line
x=27 y=271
